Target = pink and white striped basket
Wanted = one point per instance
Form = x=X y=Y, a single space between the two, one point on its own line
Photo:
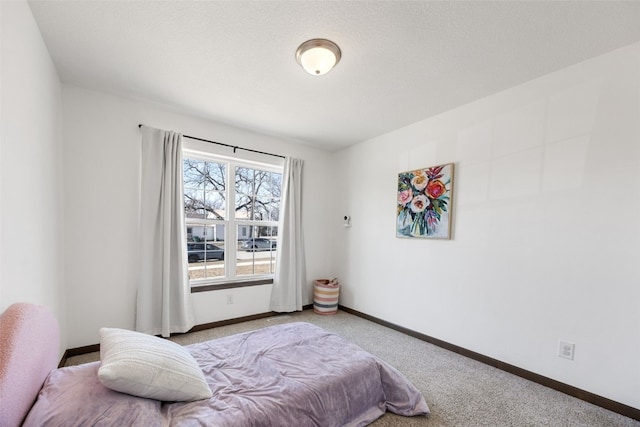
x=325 y=296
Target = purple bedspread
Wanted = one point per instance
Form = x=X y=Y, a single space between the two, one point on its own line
x=295 y=374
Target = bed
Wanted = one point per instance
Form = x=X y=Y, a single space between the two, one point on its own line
x=283 y=375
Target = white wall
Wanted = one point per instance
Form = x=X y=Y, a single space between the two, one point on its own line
x=101 y=155
x=546 y=228
x=30 y=197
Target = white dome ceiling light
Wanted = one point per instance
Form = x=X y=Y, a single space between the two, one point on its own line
x=318 y=56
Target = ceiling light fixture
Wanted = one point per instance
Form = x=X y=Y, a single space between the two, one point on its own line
x=318 y=56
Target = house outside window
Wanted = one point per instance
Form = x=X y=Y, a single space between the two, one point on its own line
x=232 y=210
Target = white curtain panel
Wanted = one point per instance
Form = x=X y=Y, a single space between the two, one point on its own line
x=291 y=275
x=163 y=298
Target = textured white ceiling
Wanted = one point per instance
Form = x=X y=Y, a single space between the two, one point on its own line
x=403 y=61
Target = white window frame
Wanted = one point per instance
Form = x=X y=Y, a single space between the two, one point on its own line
x=230 y=222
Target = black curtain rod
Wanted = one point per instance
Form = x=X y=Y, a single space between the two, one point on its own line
x=235 y=147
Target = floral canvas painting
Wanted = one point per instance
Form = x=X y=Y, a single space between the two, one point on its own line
x=424 y=202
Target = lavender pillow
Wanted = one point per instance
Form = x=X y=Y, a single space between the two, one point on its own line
x=74 y=396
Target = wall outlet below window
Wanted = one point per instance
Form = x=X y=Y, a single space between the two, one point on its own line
x=230 y=299
x=566 y=350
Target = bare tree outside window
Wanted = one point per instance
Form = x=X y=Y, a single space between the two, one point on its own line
x=257 y=194
x=204 y=189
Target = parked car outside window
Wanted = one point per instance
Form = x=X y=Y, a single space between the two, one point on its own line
x=258 y=244
x=203 y=251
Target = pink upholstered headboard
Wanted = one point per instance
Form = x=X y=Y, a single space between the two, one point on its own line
x=29 y=346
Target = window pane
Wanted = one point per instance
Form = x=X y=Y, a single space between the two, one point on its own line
x=214 y=205
x=244 y=207
x=261 y=182
x=205 y=251
x=268 y=197
x=244 y=181
x=267 y=210
x=257 y=251
x=276 y=184
x=203 y=175
x=269 y=185
x=194 y=203
x=193 y=173
x=215 y=176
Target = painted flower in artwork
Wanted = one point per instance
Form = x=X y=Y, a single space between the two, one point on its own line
x=423 y=202
x=405 y=197
x=419 y=203
x=435 y=189
x=419 y=181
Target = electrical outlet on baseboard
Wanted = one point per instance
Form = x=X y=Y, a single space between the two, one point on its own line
x=566 y=349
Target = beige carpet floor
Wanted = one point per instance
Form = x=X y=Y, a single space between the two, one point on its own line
x=458 y=390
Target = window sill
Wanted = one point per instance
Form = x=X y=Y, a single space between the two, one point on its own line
x=231 y=285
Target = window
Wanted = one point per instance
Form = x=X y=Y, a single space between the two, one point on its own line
x=231 y=218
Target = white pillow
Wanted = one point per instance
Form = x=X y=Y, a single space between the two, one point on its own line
x=147 y=366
